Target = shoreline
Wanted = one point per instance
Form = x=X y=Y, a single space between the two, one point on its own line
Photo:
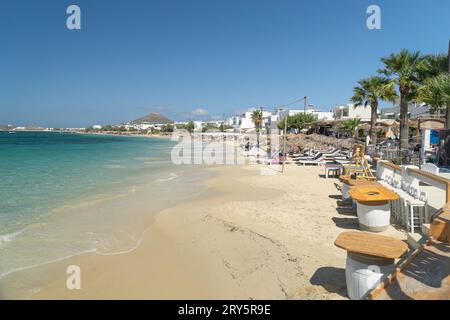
x=255 y=237
x=157 y=136
x=109 y=220
x=252 y=236
x=164 y=234
x=95 y=133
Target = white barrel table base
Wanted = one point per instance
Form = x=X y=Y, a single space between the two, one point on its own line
x=345 y=188
x=374 y=217
x=364 y=273
x=370 y=257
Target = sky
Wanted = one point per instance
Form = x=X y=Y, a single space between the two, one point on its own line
x=196 y=59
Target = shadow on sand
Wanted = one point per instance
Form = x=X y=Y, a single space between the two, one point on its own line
x=331 y=279
x=346 y=223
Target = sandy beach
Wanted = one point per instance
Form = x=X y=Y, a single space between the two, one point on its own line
x=257 y=236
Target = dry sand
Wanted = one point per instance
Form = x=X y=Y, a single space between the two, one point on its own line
x=257 y=237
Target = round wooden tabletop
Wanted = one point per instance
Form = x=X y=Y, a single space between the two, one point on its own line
x=372 y=193
x=371 y=244
x=357 y=182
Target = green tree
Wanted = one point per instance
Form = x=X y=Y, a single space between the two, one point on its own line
x=406 y=69
x=436 y=65
x=436 y=93
x=167 y=128
x=350 y=126
x=297 y=122
x=190 y=126
x=257 y=119
x=210 y=127
x=224 y=126
x=433 y=91
x=369 y=92
x=108 y=127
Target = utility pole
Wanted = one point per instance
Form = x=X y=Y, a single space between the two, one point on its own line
x=284 y=143
x=306 y=103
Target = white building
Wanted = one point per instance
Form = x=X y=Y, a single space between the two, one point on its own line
x=270 y=119
x=320 y=115
x=349 y=111
x=235 y=121
x=198 y=125
x=247 y=123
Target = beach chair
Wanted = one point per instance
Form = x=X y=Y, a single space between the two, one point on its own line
x=431 y=168
x=274 y=158
x=315 y=162
x=333 y=153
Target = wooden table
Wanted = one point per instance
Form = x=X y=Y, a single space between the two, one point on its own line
x=335 y=168
x=369 y=258
x=348 y=183
x=373 y=208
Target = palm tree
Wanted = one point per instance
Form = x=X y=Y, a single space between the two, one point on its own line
x=406 y=70
x=257 y=119
x=436 y=93
x=434 y=83
x=436 y=64
x=350 y=126
x=369 y=92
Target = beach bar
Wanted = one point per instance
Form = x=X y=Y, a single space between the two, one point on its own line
x=370 y=258
x=373 y=207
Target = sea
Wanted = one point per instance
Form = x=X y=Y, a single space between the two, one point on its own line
x=65 y=194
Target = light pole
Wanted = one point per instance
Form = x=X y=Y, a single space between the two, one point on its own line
x=284 y=143
x=306 y=103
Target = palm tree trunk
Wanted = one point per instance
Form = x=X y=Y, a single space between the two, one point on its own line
x=257 y=138
x=404 y=126
x=373 y=123
x=448 y=107
x=447 y=117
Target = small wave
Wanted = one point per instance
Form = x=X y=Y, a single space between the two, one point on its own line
x=5 y=238
x=147 y=158
x=4 y=274
x=113 y=253
x=114 y=166
x=171 y=176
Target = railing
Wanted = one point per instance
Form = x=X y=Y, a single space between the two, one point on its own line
x=414 y=175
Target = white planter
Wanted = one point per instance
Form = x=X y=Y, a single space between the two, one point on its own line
x=364 y=273
x=375 y=218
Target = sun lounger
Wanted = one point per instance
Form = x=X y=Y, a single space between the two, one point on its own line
x=334 y=153
x=314 y=157
x=314 y=162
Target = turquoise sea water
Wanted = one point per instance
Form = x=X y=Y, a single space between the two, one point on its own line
x=62 y=194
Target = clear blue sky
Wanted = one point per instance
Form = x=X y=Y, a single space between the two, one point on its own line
x=174 y=56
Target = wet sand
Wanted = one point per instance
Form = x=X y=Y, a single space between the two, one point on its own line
x=256 y=236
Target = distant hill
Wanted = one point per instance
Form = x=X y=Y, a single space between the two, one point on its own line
x=153 y=118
